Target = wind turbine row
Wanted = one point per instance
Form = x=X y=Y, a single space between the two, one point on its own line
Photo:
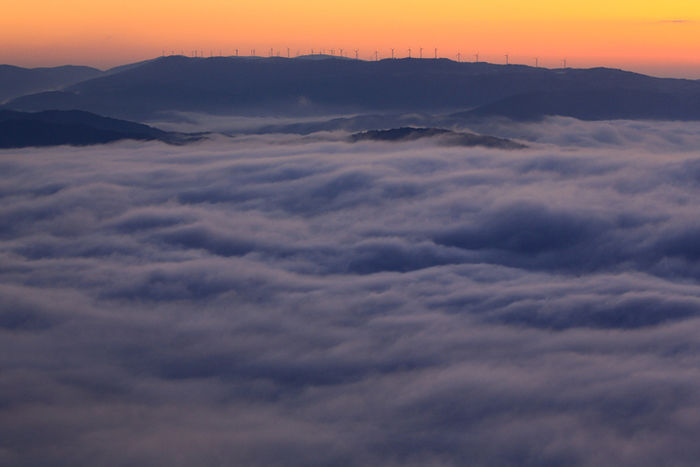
x=341 y=53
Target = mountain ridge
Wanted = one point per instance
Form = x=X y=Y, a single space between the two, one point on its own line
x=304 y=87
x=75 y=127
x=443 y=136
x=17 y=81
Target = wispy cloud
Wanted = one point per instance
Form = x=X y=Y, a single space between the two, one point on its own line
x=676 y=21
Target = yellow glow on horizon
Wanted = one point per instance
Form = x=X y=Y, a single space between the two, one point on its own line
x=110 y=32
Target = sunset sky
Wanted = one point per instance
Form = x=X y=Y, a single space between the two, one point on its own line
x=661 y=38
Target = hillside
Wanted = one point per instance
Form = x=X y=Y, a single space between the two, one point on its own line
x=52 y=128
x=302 y=87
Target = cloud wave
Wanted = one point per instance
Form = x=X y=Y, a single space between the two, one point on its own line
x=279 y=301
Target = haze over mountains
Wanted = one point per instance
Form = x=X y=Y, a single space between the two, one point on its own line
x=16 y=81
x=300 y=87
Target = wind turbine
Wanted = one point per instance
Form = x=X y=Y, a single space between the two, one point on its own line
x=436 y=53
x=409 y=53
x=357 y=53
x=421 y=52
x=476 y=56
x=392 y=54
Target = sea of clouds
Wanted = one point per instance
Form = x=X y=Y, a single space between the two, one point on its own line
x=285 y=300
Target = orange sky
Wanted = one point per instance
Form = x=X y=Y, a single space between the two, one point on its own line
x=660 y=37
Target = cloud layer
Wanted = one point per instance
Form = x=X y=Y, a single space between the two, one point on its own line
x=277 y=301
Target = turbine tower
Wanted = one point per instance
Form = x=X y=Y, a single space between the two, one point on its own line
x=435 y=52
x=409 y=53
x=392 y=54
x=421 y=52
x=507 y=62
x=357 y=53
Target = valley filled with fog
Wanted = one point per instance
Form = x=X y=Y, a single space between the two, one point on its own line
x=294 y=299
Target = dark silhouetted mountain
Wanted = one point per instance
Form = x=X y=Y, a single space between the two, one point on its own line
x=16 y=81
x=57 y=127
x=597 y=104
x=355 y=123
x=329 y=85
x=445 y=137
x=399 y=134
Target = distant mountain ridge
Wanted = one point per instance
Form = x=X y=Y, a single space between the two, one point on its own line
x=592 y=104
x=443 y=136
x=322 y=85
x=17 y=81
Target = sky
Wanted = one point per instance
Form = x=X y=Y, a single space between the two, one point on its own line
x=660 y=38
x=285 y=300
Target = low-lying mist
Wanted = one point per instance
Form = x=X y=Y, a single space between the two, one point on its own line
x=286 y=300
